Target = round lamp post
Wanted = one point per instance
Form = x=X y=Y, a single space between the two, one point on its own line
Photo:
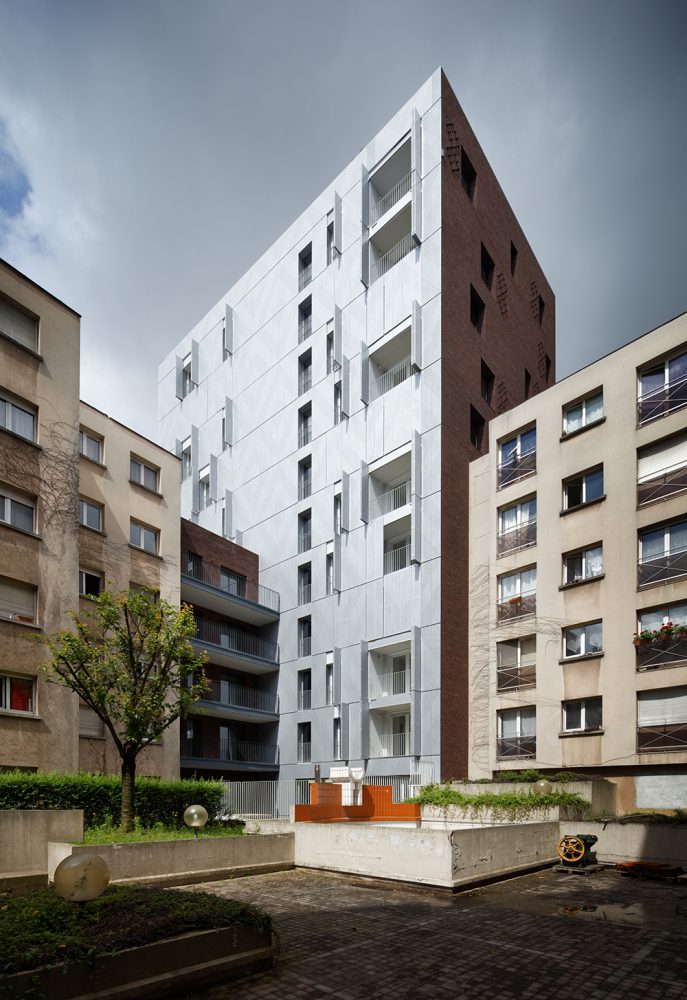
x=196 y=817
x=542 y=787
x=81 y=877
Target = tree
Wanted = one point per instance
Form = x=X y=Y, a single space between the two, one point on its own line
x=130 y=660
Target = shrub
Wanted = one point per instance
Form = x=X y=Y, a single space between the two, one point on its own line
x=508 y=805
x=99 y=795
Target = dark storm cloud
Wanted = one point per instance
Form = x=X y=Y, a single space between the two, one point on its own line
x=167 y=144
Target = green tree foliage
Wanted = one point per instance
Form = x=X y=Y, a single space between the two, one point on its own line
x=130 y=660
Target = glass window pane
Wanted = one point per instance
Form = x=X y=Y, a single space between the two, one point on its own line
x=507 y=654
x=528 y=580
x=594 y=561
x=573 y=642
x=573 y=493
x=528 y=441
x=652 y=381
x=134 y=534
x=508 y=449
x=22 y=515
x=509 y=518
x=21 y=694
x=594 y=637
x=508 y=586
x=135 y=471
x=594 y=408
x=149 y=478
x=592 y=714
x=573 y=715
x=3 y=413
x=678 y=536
x=527 y=721
x=594 y=485
x=650 y=620
x=22 y=422
x=652 y=544
x=573 y=418
x=509 y=724
x=528 y=510
x=573 y=569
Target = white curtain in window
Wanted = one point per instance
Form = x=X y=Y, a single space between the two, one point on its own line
x=594 y=408
x=664 y=707
x=527 y=721
x=594 y=560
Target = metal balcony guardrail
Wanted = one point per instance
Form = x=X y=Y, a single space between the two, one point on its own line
x=230 y=750
x=662 y=485
x=391 y=745
x=391 y=257
x=518 y=537
x=517 y=467
x=395 y=375
x=235 y=640
x=220 y=579
x=304 y=699
x=671 y=736
x=304 y=380
x=304 y=328
x=396 y=559
x=393 y=499
x=391 y=683
x=662 y=401
x=304 y=435
x=304 y=488
x=304 y=541
x=304 y=645
x=390 y=198
x=304 y=592
x=516 y=746
x=232 y=695
x=516 y=607
x=664 y=568
x=304 y=753
x=304 y=276
x=522 y=676
x=655 y=653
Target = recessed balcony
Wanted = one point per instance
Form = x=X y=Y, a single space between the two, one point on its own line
x=517 y=467
x=520 y=536
x=662 y=485
x=664 y=568
x=390 y=183
x=658 y=739
x=233 y=647
x=667 y=650
x=230 y=700
x=218 y=752
x=215 y=588
x=514 y=747
x=519 y=606
x=391 y=242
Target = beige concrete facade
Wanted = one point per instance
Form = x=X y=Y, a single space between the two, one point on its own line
x=608 y=476
x=39 y=420
x=129 y=535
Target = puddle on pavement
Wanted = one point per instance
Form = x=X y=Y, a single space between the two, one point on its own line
x=636 y=914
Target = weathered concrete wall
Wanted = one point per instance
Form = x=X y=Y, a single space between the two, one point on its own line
x=25 y=833
x=459 y=818
x=634 y=841
x=600 y=794
x=173 y=857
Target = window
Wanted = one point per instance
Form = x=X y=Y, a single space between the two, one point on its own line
x=304 y=689
x=305 y=267
x=487 y=383
x=329 y=683
x=305 y=478
x=304 y=636
x=305 y=319
x=517 y=594
x=517 y=457
x=337 y=403
x=516 y=663
x=91 y=446
x=517 y=526
x=330 y=243
x=304 y=584
x=468 y=177
x=17 y=694
x=186 y=458
x=517 y=732
x=204 y=489
x=304 y=531
x=337 y=514
x=663 y=553
x=662 y=469
x=513 y=258
x=582 y=640
x=305 y=425
x=91 y=515
x=186 y=377
x=653 y=619
x=17 y=600
x=329 y=573
x=304 y=372
x=232 y=583
x=17 y=512
x=90 y=724
x=90 y=583
x=583 y=716
x=145 y=475
x=584 y=565
x=583 y=414
x=304 y=744
x=396 y=554
x=18 y=325
x=487 y=267
x=18 y=418
x=331 y=364
x=194 y=565
x=540 y=312
x=336 y=739
x=476 y=310
x=477 y=424
x=662 y=720
x=662 y=388
x=144 y=538
x=583 y=489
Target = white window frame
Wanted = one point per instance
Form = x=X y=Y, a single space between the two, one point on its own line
x=24 y=409
x=7 y=500
x=6 y=694
x=83 y=573
x=143 y=531
x=582 y=477
x=86 y=438
x=138 y=475
x=517 y=714
x=517 y=575
x=584 y=554
x=583 y=703
x=584 y=405
x=584 y=640
x=84 y=505
x=517 y=453
x=666 y=540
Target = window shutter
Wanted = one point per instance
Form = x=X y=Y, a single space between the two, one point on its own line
x=416 y=176
x=416 y=336
x=337 y=675
x=416 y=464
x=365 y=227
x=337 y=563
x=346 y=387
x=228 y=329
x=338 y=336
x=416 y=529
x=228 y=514
x=659 y=708
x=89 y=723
x=657 y=458
x=214 y=495
x=17 y=599
x=180 y=378
x=228 y=421
x=338 y=224
x=195 y=362
x=345 y=502
x=364 y=373
x=364 y=715
x=18 y=326
x=195 y=471
x=364 y=492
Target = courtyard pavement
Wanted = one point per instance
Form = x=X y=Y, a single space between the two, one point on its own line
x=545 y=935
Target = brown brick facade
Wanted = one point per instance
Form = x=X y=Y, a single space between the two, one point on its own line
x=218 y=551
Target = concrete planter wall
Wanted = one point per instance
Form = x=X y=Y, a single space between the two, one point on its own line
x=25 y=833
x=460 y=818
x=634 y=841
x=183 y=861
x=601 y=794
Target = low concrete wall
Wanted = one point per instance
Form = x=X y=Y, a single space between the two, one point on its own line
x=428 y=857
x=459 y=818
x=175 y=857
x=634 y=841
x=25 y=833
x=601 y=793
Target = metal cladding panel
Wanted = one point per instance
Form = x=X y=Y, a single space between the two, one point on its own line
x=338 y=336
x=364 y=373
x=195 y=362
x=365 y=226
x=416 y=723
x=345 y=731
x=429 y=526
x=398 y=604
x=180 y=378
x=214 y=495
x=337 y=675
x=364 y=492
x=416 y=172
x=364 y=714
x=338 y=223
x=195 y=468
x=431 y=266
x=415 y=658
x=345 y=502
x=228 y=329
x=416 y=464
x=416 y=529
x=416 y=335
x=416 y=142
x=178 y=447
x=337 y=563
x=228 y=421
x=416 y=210
x=346 y=387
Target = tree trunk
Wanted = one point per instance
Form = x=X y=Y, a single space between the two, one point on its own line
x=126 y=824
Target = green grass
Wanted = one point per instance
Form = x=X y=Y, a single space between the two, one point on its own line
x=508 y=805
x=109 y=834
x=41 y=929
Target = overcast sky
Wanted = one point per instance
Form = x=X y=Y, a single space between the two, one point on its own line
x=151 y=150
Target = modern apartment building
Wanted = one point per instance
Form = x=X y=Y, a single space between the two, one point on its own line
x=578 y=577
x=325 y=411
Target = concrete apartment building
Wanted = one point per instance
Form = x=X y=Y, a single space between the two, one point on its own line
x=578 y=542
x=325 y=411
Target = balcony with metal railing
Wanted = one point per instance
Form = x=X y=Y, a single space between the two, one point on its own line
x=304 y=753
x=663 y=568
x=304 y=380
x=392 y=257
x=520 y=536
x=211 y=586
x=218 y=751
x=304 y=541
x=393 y=499
x=390 y=745
x=304 y=434
x=304 y=593
x=304 y=699
x=304 y=487
x=397 y=559
x=660 y=402
x=304 y=327
x=658 y=739
x=517 y=676
x=304 y=643
x=229 y=644
x=517 y=467
x=518 y=606
x=226 y=694
x=389 y=379
x=389 y=684
x=662 y=485
x=669 y=650
x=516 y=746
x=304 y=275
x=384 y=203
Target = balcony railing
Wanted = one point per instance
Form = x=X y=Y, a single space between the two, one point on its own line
x=398 y=373
x=304 y=699
x=235 y=640
x=393 y=499
x=517 y=467
x=304 y=541
x=304 y=643
x=229 y=750
x=662 y=401
x=662 y=485
x=391 y=745
x=512 y=678
x=232 y=695
x=304 y=753
x=655 y=653
x=391 y=683
x=516 y=607
x=304 y=434
x=304 y=487
x=304 y=328
x=304 y=590
x=391 y=257
x=662 y=569
x=659 y=738
x=388 y=200
x=217 y=577
x=516 y=746
x=518 y=537
x=396 y=559
x=304 y=276
x=304 y=380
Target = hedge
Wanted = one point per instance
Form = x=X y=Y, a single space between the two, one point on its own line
x=100 y=796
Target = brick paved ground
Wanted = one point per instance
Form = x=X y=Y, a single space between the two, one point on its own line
x=542 y=936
